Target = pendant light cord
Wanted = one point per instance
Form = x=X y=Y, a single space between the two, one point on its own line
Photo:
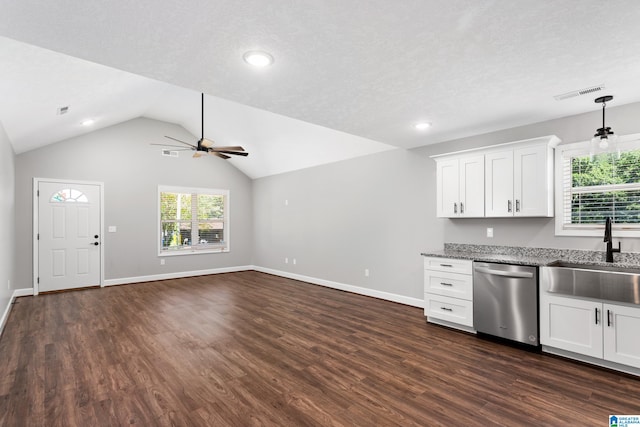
x=202 y=119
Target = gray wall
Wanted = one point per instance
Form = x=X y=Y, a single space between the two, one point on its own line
x=131 y=170
x=375 y=212
x=378 y=211
x=7 y=210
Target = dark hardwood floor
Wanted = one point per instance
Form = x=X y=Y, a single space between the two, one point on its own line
x=251 y=349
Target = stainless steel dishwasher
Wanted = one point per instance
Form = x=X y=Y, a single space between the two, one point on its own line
x=505 y=301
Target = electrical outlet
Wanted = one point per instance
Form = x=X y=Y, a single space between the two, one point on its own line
x=294 y=261
x=286 y=202
x=489 y=232
x=286 y=260
x=366 y=272
x=162 y=261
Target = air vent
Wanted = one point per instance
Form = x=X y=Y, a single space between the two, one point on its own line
x=63 y=110
x=580 y=92
x=169 y=153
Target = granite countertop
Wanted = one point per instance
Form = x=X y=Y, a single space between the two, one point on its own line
x=533 y=256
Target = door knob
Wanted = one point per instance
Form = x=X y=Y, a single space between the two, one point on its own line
x=95 y=244
x=96 y=236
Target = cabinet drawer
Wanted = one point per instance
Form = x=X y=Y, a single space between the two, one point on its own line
x=450 y=309
x=454 y=285
x=448 y=264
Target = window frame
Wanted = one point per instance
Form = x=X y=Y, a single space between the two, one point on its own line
x=564 y=151
x=195 y=250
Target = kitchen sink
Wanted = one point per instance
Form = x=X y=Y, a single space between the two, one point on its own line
x=602 y=282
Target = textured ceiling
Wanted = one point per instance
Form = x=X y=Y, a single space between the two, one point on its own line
x=368 y=68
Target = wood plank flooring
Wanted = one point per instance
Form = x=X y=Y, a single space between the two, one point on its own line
x=251 y=349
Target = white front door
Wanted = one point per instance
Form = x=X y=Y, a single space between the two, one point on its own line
x=68 y=235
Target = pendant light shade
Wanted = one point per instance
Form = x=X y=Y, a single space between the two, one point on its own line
x=604 y=141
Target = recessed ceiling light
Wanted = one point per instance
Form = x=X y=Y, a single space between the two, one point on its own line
x=258 y=59
x=87 y=122
x=423 y=125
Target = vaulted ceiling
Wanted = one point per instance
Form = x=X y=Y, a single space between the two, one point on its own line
x=349 y=77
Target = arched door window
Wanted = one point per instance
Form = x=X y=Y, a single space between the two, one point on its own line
x=69 y=195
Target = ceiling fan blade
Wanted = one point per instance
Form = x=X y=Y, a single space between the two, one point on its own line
x=206 y=142
x=197 y=154
x=181 y=142
x=222 y=156
x=230 y=148
x=236 y=153
x=179 y=147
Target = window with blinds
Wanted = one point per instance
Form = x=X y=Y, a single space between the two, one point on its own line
x=193 y=220
x=596 y=187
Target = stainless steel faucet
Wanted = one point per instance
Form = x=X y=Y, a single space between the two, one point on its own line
x=609 y=240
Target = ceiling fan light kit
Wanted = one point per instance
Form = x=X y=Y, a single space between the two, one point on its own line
x=206 y=145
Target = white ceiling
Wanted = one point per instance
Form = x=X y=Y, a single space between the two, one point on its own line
x=370 y=68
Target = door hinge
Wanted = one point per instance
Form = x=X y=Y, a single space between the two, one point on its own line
x=38 y=280
x=38 y=193
x=38 y=238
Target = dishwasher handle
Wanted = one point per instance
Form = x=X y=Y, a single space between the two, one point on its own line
x=516 y=274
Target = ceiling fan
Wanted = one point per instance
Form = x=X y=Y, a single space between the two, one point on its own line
x=206 y=145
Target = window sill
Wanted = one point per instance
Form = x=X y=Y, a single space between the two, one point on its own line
x=595 y=232
x=193 y=252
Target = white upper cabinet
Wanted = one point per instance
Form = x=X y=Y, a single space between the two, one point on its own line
x=499 y=183
x=448 y=191
x=460 y=189
x=506 y=180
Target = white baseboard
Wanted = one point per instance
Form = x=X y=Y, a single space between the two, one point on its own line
x=415 y=302
x=25 y=292
x=16 y=293
x=176 y=275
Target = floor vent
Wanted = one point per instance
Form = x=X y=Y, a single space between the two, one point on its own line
x=169 y=153
x=580 y=92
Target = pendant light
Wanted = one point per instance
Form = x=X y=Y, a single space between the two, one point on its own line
x=604 y=141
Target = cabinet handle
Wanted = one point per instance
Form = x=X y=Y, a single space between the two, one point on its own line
x=597 y=315
x=509 y=209
x=609 y=318
x=455 y=208
x=461 y=208
x=517 y=205
x=446 y=265
x=445 y=284
x=446 y=309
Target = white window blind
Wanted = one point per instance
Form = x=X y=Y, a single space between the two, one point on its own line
x=193 y=220
x=596 y=187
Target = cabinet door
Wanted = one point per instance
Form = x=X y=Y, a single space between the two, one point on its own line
x=499 y=184
x=621 y=331
x=571 y=324
x=532 y=182
x=472 y=186
x=448 y=181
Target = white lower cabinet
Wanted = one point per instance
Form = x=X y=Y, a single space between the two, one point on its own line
x=622 y=334
x=591 y=328
x=448 y=292
x=571 y=324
